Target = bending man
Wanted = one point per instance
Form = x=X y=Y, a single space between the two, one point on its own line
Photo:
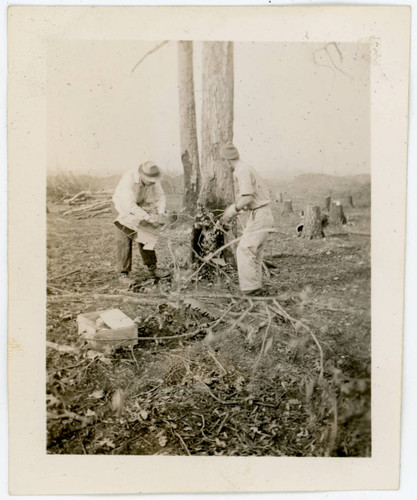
x=138 y=198
x=254 y=197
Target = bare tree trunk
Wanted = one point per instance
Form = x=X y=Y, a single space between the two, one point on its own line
x=312 y=223
x=217 y=124
x=337 y=216
x=188 y=127
x=327 y=202
x=350 y=201
x=287 y=207
x=216 y=191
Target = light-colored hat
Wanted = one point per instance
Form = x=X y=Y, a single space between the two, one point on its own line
x=229 y=152
x=149 y=171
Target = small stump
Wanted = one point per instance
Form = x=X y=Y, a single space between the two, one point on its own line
x=287 y=207
x=312 y=223
x=350 y=202
x=327 y=202
x=337 y=216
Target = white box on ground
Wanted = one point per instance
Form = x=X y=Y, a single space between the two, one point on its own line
x=109 y=328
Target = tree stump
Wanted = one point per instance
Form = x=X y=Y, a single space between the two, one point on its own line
x=312 y=223
x=287 y=207
x=350 y=201
x=337 y=216
x=280 y=199
x=327 y=202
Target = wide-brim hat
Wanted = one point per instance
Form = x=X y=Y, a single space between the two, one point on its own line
x=150 y=172
x=229 y=152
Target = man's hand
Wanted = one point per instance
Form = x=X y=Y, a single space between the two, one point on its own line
x=230 y=212
x=162 y=219
x=153 y=219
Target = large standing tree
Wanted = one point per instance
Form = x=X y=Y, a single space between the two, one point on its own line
x=217 y=124
x=188 y=127
x=216 y=129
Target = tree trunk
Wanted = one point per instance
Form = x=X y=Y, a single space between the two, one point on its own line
x=216 y=191
x=287 y=207
x=217 y=124
x=327 y=202
x=350 y=201
x=312 y=223
x=337 y=216
x=188 y=127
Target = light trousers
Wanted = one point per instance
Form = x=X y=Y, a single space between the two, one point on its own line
x=250 y=249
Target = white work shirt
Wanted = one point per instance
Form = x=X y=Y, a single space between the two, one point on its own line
x=250 y=183
x=134 y=201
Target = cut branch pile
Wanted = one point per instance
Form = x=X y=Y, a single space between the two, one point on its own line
x=91 y=210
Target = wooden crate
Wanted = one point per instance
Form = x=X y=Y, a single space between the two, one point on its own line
x=105 y=329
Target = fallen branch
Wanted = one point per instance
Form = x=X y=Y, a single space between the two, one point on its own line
x=68 y=414
x=53 y=278
x=296 y=321
x=63 y=348
x=96 y=206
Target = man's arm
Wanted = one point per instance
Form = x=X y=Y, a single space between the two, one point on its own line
x=243 y=202
x=160 y=199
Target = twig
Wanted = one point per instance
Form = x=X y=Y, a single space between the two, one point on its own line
x=238 y=321
x=359 y=234
x=183 y=335
x=182 y=357
x=233 y=403
x=127 y=298
x=55 y=289
x=228 y=310
x=222 y=423
x=157 y=47
x=68 y=414
x=134 y=358
x=264 y=338
x=64 y=275
x=182 y=442
x=217 y=361
x=293 y=320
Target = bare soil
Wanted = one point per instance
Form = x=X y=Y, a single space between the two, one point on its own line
x=287 y=375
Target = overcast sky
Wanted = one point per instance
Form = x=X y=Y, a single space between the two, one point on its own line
x=299 y=107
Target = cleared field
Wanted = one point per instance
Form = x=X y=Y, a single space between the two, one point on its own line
x=286 y=377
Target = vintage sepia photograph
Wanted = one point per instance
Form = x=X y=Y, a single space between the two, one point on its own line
x=208 y=248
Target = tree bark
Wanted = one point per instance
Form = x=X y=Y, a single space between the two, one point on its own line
x=312 y=223
x=188 y=127
x=287 y=207
x=217 y=124
x=337 y=216
x=216 y=191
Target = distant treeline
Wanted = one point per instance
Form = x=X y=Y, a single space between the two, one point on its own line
x=64 y=184
x=304 y=186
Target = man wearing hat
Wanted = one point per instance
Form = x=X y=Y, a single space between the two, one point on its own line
x=138 y=200
x=253 y=197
